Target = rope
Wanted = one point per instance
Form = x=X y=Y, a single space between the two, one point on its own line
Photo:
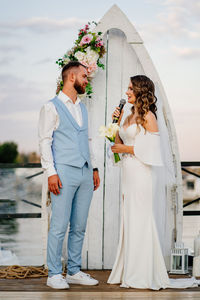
x=19 y=272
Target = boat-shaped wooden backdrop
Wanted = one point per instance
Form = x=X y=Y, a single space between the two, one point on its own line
x=126 y=56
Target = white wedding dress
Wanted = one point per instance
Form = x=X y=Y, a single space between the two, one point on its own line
x=139 y=261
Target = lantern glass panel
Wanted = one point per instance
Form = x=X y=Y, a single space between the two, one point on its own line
x=177 y=262
x=186 y=262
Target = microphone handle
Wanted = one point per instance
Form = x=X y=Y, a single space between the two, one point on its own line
x=116 y=119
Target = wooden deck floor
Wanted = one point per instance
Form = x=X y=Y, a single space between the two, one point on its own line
x=98 y=296
x=25 y=289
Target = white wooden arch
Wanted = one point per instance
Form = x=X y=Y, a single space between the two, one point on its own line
x=126 y=56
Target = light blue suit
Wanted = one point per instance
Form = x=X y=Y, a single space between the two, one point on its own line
x=72 y=161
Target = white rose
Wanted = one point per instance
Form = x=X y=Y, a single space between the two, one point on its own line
x=81 y=56
x=66 y=60
x=91 y=56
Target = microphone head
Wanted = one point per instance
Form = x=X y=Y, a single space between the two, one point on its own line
x=123 y=102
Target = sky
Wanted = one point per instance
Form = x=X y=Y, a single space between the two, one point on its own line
x=34 y=34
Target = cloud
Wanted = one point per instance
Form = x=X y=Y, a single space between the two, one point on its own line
x=43 y=61
x=6 y=60
x=192 y=6
x=19 y=95
x=10 y=48
x=42 y=25
x=25 y=116
x=178 y=19
x=8 y=54
x=20 y=100
x=186 y=53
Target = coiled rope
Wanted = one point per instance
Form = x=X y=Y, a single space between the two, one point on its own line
x=20 y=272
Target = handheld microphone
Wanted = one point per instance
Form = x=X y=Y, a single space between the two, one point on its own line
x=121 y=105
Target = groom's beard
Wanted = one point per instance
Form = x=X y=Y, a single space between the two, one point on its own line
x=79 y=88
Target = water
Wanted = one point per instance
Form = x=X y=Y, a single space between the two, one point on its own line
x=21 y=236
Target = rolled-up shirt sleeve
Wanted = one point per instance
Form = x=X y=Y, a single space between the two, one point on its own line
x=47 y=124
x=147 y=147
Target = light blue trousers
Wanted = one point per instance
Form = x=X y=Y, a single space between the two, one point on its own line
x=71 y=206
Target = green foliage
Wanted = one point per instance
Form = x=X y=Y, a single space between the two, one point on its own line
x=89 y=90
x=100 y=65
x=8 y=152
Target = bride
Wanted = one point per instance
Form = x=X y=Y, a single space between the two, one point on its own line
x=139 y=261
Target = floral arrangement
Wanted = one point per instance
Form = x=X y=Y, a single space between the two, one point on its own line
x=110 y=132
x=88 y=49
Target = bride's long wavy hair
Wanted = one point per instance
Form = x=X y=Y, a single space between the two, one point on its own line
x=144 y=91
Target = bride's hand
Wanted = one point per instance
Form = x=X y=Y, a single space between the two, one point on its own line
x=118 y=148
x=117 y=114
x=121 y=148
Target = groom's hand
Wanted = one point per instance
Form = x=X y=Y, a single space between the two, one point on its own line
x=54 y=184
x=96 y=180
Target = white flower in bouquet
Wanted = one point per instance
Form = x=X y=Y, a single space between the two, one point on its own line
x=91 y=56
x=81 y=56
x=66 y=60
x=103 y=131
x=110 y=132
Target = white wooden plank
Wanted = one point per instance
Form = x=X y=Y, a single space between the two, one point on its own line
x=96 y=110
x=112 y=179
x=45 y=217
x=131 y=67
x=115 y=18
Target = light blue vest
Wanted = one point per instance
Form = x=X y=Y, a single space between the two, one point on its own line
x=70 y=141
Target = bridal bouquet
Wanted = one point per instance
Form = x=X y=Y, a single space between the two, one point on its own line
x=88 y=49
x=110 y=133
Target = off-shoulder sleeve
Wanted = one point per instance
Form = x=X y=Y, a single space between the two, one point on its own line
x=147 y=147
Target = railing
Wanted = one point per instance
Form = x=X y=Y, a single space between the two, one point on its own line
x=184 y=166
x=21 y=215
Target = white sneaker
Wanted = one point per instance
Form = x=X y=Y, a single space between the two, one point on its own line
x=57 y=282
x=81 y=278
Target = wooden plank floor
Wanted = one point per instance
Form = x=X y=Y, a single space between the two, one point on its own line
x=39 y=285
x=99 y=296
x=27 y=289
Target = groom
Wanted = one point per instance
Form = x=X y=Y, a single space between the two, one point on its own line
x=64 y=148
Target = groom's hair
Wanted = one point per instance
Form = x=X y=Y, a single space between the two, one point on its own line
x=68 y=67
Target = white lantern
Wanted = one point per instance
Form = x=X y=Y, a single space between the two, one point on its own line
x=179 y=259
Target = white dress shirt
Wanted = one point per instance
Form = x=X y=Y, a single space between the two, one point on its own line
x=49 y=122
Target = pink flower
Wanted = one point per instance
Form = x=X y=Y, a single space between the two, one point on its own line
x=86 y=27
x=91 y=69
x=82 y=31
x=84 y=63
x=86 y=39
x=100 y=43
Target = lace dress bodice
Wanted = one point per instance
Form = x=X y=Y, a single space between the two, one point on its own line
x=128 y=135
